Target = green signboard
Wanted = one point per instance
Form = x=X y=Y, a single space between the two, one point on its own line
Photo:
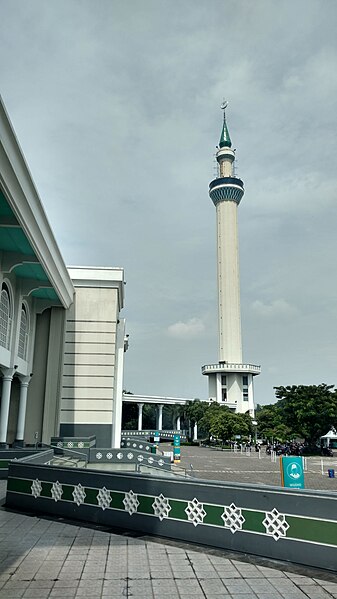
x=292 y=473
x=176 y=448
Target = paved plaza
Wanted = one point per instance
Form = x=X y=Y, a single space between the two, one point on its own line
x=214 y=464
x=45 y=558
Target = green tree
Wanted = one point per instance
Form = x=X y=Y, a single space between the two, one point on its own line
x=194 y=411
x=269 y=419
x=308 y=411
x=223 y=424
x=129 y=416
x=210 y=416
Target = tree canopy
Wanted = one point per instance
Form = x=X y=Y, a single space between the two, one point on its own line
x=305 y=411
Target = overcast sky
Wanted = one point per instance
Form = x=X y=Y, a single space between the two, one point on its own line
x=117 y=109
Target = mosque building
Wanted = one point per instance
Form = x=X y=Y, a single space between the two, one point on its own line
x=62 y=339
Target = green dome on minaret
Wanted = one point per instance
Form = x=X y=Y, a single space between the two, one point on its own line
x=225 y=140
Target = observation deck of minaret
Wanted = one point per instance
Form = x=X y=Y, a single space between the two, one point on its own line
x=230 y=381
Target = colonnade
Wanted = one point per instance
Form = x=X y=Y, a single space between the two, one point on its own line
x=7 y=379
x=159 y=417
x=159 y=420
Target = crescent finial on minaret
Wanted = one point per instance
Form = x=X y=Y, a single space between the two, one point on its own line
x=225 y=140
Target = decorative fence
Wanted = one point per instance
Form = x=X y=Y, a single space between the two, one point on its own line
x=166 y=435
x=298 y=526
x=83 y=444
x=128 y=456
x=140 y=444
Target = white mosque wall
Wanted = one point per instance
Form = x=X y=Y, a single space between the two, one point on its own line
x=90 y=368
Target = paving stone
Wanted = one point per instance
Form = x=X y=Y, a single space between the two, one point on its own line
x=331 y=587
x=89 y=592
x=14 y=593
x=140 y=589
x=260 y=585
x=164 y=585
x=229 y=574
x=183 y=574
x=271 y=573
x=161 y=574
x=16 y=584
x=314 y=593
x=207 y=574
x=171 y=595
x=37 y=593
x=66 y=584
x=214 y=587
x=236 y=586
x=188 y=586
x=115 y=575
x=303 y=581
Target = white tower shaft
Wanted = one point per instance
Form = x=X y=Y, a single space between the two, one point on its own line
x=230 y=348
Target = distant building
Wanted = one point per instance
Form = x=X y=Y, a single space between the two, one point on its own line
x=230 y=380
x=61 y=335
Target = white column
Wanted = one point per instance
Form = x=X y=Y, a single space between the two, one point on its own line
x=5 y=401
x=159 y=417
x=140 y=416
x=20 y=429
x=195 y=432
x=118 y=386
x=178 y=423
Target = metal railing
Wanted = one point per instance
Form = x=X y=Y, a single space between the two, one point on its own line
x=80 y=453
x=227 y=366
x=176 y=471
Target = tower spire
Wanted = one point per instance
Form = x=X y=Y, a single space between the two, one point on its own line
x=225 y=140
x=230 y=380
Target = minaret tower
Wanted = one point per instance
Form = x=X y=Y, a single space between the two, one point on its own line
x=230 y=381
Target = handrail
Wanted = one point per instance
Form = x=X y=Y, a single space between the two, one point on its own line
x=64 y=459
x=71 y=451
x=163 y=472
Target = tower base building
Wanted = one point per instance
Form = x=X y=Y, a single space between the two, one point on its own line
x=232 y=385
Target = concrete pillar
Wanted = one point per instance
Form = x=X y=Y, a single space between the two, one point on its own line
x=178 y=423
x=118 y=386
x=140 y=416
x=195 y=432
x=7 y=378
x=20 y=430
x=159 y=417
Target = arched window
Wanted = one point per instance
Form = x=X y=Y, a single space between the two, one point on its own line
x=23 y=335
x=5 y=316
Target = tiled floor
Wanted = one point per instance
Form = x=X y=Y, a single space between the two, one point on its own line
x=53 y=559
